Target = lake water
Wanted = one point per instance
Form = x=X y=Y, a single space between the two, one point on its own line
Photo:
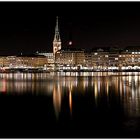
x=63 y=105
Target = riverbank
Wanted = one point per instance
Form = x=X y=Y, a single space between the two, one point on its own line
x=48 y=71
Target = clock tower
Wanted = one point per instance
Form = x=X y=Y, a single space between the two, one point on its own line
x=57 y=40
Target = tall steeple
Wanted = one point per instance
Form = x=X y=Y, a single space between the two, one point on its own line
x=57 y=39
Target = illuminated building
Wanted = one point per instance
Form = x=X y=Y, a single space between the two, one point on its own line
x=70 y=58
x=23 y=61
x=100 y=59
x=31 y=61
x=57 y=39
x=113 y=63
x=49 y=57
x=130 y=58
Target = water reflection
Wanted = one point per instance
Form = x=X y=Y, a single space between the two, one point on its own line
x=125 y=87
x=70 y=98
x=57 y=99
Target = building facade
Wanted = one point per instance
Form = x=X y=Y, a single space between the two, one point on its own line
x=32 y=61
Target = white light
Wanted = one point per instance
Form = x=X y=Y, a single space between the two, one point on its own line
x=70 y=43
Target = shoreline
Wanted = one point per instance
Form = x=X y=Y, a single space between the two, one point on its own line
x=79 y=71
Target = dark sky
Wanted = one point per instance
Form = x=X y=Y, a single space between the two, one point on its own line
x=29 y=26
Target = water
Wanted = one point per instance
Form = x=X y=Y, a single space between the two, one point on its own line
x=97 y=105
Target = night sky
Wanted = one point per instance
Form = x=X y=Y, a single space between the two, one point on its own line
x=28 y=27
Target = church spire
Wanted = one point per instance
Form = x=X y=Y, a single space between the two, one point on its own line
x=57 y=34
x=56 y=28
x=57 y=39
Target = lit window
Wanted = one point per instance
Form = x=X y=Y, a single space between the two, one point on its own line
x=95 y=53
x=106 y=55
x=133 y=59
x=120 y=56
x=116 y=58
x=133 y=52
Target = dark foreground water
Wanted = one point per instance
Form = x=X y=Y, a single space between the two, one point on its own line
x=70 y=105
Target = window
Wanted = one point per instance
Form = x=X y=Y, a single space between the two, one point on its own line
x=133 y=60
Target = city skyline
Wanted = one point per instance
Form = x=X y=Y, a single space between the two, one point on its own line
x=70 y=69
x=88 y=25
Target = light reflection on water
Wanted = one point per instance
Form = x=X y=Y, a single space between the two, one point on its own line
x=125 y=86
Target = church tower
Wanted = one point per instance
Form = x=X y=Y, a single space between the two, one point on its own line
x=57 y=40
